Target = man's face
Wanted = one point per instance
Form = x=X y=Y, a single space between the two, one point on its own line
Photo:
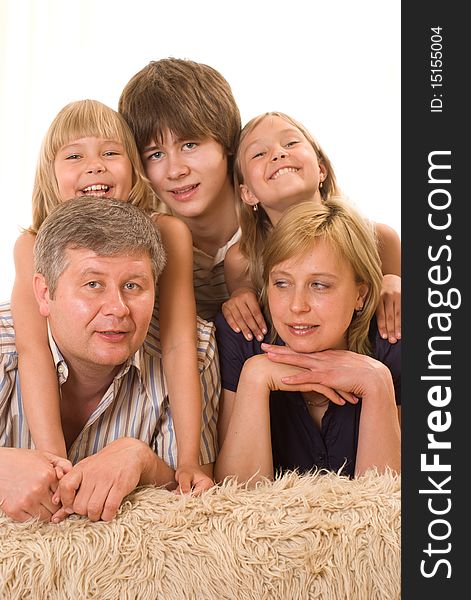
x=101 y=308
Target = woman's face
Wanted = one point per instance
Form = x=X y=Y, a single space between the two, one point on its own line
x=312 y=298
x=279 y=166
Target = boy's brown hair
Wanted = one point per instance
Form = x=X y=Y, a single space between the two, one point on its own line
x=188 y=98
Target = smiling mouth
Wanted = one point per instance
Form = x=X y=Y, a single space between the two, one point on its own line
x=184 y=190
x=284 y=171
x=302 y=329
x=98 y=189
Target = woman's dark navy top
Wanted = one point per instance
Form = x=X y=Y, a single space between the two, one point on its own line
x=296 y=441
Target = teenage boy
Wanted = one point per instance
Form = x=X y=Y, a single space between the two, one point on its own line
x=187 y=125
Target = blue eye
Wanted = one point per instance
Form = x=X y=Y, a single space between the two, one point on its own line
x=292 y=143
x=280 y=283
x=156 y=155
x=190 y=145
x=73 y=156
x=93 y=285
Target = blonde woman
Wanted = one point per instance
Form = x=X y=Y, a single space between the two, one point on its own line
x=323 y=394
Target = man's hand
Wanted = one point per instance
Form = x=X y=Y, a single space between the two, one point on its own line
x=96 y=486
x=28 y=480
x=191 y=478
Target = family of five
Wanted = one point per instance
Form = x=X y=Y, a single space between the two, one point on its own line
x=193 y=300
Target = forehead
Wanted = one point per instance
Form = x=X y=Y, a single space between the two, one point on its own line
x=85 y=260
x=320 y=257
x=268 y=128
x=90 y=141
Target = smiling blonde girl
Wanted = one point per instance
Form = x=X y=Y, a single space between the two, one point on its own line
x=89 y=150
x=278 y=165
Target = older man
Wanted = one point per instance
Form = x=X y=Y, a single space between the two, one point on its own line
x=97 y=263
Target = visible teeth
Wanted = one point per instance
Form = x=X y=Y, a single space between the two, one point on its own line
x=183 y=190
x=284 y=171
x=96 y=187
x=301 y=327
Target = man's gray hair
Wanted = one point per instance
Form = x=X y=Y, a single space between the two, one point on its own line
x=106 y=226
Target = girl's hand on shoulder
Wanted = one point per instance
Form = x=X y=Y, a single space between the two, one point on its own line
x=242 y=313
x=388 y=313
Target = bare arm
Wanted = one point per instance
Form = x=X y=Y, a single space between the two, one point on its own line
x=388 y=313
x=246 y=448
x=241 y=311
x=177 y=318
x=226 y=405
x=389 y=248
x=39 y=388
x=235 y=270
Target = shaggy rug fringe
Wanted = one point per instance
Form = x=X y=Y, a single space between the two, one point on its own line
x=319 y=536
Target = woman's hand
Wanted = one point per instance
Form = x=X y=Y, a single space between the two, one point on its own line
x=348 y=373
x=262 y=373
x=242 y=313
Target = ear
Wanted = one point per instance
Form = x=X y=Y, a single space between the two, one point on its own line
x=362 y=293
x=322 y=171
x=247 y=196
x=41 y=292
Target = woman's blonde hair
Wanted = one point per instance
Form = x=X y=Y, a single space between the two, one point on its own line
x=349 y=235
x=255 y=225
x=84 y=118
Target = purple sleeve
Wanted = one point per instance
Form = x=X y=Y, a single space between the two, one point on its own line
x=390 y=355
x=233 y=350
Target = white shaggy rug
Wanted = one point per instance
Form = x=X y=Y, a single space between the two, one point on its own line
x=319 y=536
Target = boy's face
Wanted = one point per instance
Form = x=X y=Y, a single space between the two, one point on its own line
x=189 y=175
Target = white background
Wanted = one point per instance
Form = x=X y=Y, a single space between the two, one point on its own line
x=333 y=65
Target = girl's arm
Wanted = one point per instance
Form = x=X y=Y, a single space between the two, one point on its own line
x=389 y=248
x=242 y=311
x=39 y=387
x=177 y=319
x=388 y=313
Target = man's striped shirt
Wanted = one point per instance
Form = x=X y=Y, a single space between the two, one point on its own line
x=135 y=405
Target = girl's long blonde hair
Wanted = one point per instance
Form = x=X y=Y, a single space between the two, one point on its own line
x=84 y=118
x=255 y=225
x=349 y=235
